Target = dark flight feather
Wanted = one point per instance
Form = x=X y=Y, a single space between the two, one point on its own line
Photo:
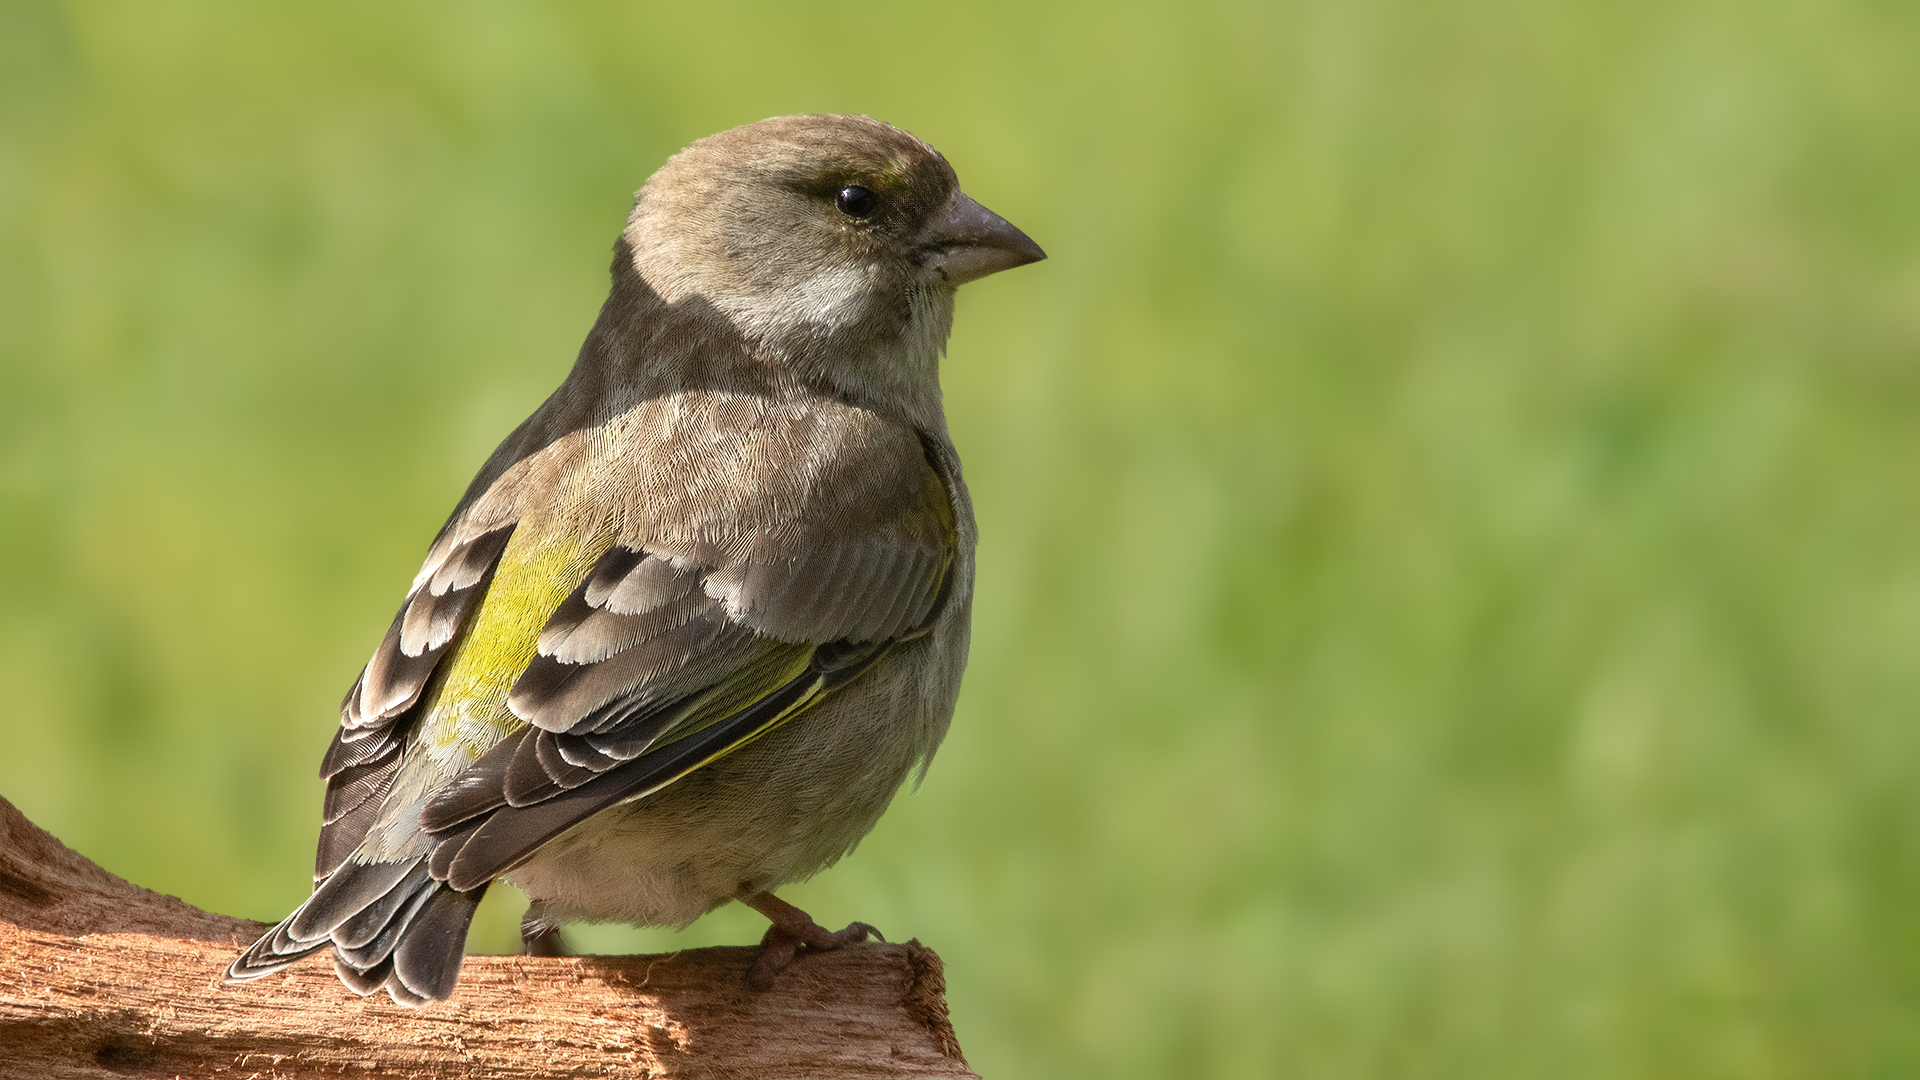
x=410 y=652
x=479 y=788
x=555 y=695
x=351 y=787
x=338 y=839
x=511 y=833
x=364 y=757
x=568 y=770
x=361 y=746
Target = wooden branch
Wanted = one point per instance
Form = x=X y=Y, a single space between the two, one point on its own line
x=101 y=978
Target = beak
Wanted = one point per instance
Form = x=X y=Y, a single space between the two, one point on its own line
x=966 y=241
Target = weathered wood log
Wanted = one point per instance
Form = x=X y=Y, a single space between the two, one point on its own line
x=101 y=978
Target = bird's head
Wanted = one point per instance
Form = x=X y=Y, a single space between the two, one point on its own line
x=834 y=242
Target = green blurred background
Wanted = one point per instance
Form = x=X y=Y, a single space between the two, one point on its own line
x=1450 y=590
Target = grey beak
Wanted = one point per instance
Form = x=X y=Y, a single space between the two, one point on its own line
x=967 y=241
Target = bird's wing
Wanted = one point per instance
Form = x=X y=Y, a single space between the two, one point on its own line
x=384 y=704
x=665 y=657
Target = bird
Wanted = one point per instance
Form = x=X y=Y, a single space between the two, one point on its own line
x=702 y=614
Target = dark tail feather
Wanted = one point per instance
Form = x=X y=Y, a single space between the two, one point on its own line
x=273 y=951
x=366 y=982
x=427 y=960
x=346 y=892
x=366 y=954
x=379 y=916
x=390 y=925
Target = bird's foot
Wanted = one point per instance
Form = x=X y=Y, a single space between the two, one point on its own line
x=791 y=931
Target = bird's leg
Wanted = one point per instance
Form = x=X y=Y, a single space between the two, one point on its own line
x=791 y=929
x=541 y=939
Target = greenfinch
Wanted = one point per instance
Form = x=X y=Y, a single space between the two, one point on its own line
x=699 y=616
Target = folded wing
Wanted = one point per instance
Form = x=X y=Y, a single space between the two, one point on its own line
x=657 y=665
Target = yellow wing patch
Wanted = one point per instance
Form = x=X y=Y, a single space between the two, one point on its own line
x=466 y=712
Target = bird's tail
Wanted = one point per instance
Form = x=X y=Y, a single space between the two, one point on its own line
x=390 y=924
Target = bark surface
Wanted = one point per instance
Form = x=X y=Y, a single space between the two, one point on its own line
x=101 y=978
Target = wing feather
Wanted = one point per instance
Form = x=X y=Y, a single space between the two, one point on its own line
x=421 y=631
x=865 y=586
x=365 y=756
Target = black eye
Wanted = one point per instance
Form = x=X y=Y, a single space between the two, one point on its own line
x=856 y=201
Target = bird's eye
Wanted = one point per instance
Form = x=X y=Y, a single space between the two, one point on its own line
x=856 y=201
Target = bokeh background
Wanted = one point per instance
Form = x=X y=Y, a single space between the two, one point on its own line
x=1450 y=589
